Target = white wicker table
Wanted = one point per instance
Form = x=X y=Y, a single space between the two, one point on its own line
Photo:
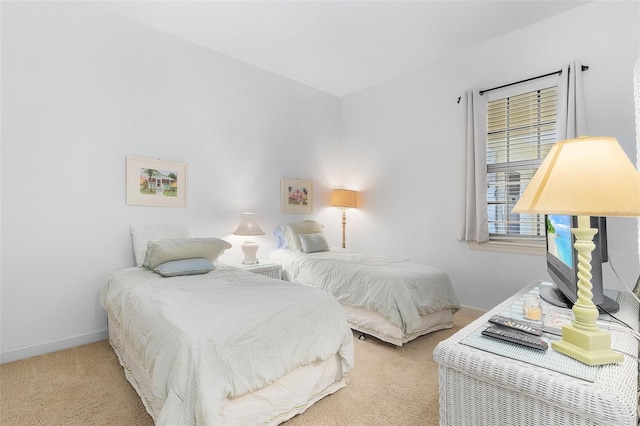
x=481 y=388
x=263 y=267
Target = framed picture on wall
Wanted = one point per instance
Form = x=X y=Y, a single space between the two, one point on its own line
x=155 y=182
x=296 y=195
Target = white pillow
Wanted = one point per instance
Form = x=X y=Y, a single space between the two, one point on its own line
x=292 y=232
x=312 y=243
x=169 y=249
x=143 y=234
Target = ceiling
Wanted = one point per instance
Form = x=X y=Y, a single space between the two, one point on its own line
x=339 y=46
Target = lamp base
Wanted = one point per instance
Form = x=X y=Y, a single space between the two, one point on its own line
x=249 y=248
x=583 y=340
x=344 y=226
x=588 y=347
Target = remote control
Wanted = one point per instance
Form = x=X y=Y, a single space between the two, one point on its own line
x=516 y=325
x=516 y=337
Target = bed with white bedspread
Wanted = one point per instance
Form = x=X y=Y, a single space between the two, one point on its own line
x=395 y=301
x=227 y=346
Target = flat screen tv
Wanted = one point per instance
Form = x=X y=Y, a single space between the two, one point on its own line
x=562 y=262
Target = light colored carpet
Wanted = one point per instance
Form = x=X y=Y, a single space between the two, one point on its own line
x=86 y=386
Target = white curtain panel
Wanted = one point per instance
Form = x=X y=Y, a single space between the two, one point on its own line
x=472 y=202
x=571 y=113
x=636 y=97
x=472 y=208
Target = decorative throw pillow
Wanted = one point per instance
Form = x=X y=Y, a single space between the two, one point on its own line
x=168 y=249
x=292 y=232
x=177 y=268
x=141 y=235
x=281 y=240
x=312 y=243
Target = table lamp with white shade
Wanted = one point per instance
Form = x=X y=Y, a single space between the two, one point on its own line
x=249 y=227
x=589 y=176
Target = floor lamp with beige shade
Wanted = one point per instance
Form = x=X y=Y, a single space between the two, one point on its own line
x=345 y=198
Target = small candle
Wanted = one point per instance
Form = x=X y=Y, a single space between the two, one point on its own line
x=531 y=307
x=533 y=313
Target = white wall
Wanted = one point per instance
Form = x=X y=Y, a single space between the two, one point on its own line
x=81 y=90
x=405 y=135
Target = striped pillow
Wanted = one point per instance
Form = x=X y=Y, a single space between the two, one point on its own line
x=292 y=232
x=143 y=234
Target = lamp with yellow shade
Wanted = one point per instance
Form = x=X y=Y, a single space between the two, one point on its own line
x=590 y=176
x=344 y=198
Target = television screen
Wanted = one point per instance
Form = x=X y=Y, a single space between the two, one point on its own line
x=562 y=262
x=559 y=239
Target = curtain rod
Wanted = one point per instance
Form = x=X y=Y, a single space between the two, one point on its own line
x=482 y=92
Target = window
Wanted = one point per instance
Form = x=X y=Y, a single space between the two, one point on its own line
x=521 y=128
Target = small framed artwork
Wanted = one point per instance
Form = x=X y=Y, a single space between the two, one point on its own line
x=296 y=195
x=154 y=182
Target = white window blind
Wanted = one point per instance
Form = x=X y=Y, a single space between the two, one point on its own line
x=520 y=132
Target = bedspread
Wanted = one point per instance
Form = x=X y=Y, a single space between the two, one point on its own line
x=399 y=290
x=207 y=338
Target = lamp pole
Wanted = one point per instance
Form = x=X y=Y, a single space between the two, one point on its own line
x=344 y=225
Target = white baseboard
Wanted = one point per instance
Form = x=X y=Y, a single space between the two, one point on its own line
x=52 y=346
x=468 y=310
